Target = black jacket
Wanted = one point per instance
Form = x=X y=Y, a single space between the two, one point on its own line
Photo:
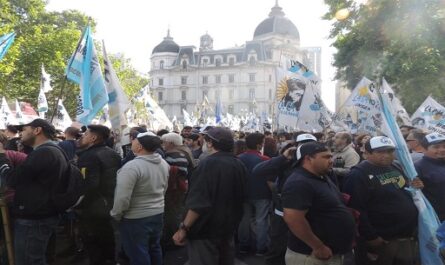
x=217 y=190
x=34 y=181
x=99 y=165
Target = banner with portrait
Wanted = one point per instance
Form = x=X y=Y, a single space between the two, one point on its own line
x=430 y=116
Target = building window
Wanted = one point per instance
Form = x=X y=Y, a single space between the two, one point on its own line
x=231 y=78
x=218 y=79
x=205 y=79
x=252 y=93
x=251 y=77
x=231 y=61
x=230 y=109
x=270 y=78
x=252 y=60
x=183 y=80
x=231 y=93
x=218 y=62
x=270 y=94
x=184 y=64
x=183 y=95
x=160 y=96
x=205 y=62
x=161 y=81
x=161 y=65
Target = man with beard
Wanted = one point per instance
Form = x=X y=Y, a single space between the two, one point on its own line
x=99 y=164
x=33 y=181
x=321 y=227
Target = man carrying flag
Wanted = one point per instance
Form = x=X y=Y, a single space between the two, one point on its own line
x=388 y=215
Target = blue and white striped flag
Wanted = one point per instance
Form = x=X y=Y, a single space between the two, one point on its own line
x=6 y=42
x=428 y=222
x=84 y=69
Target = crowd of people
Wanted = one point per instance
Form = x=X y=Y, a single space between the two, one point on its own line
x=291 y=198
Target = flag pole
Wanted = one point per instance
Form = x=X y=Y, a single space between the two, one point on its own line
x=56 y=100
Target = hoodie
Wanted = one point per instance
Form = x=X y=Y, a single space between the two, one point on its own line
x=140 y=189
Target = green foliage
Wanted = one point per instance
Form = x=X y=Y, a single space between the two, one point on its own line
x=401 y=40
x=47 y=38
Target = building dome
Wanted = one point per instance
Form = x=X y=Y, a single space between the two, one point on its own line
x=276 y=23
x=167 y=45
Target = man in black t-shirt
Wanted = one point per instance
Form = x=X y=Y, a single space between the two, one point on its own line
x=214 y=203
x=321 y=227
x=388 y=216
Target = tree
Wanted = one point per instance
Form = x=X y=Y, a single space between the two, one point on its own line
x=402 y=41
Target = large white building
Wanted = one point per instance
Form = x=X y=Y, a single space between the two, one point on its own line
x=243 y=77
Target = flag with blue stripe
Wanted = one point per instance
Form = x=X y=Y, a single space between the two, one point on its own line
x=84 y=69
x=6 y=42
x=428 y=222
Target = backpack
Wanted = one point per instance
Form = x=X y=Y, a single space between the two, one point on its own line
x=69 y=191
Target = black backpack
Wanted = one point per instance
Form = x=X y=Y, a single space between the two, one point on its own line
x=69 y=190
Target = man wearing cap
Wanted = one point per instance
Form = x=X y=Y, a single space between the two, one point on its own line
x=431 y=170
x=276 y=171
x=33 y=181
x=321 y=227
x=139 y=201
x=214 y=203
x=388 y=216
x=99 y=164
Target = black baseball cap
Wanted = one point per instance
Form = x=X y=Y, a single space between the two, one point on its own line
x=44 y=124
x=219 y=134
x=310 y=148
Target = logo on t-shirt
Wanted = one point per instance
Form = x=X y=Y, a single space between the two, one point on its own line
x=392 y=178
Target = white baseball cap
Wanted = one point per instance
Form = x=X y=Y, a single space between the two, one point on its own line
x=381 y=143
x=305 y=137
x=434 y=138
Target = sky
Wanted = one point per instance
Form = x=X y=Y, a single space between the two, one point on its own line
x=134 y=27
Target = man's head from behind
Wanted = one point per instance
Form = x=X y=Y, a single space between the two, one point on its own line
x=255 y=141
x=145 y=143
x=379 y=150
x=219 y=139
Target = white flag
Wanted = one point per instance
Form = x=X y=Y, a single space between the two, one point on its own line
x=187 y=118
x=18 y=113
x=156 y=112
x=430 y=116
x=118 y=102
x=45 y=81
x=42 y=103
x=62 y=119
x=396 y=104
x=6 y=113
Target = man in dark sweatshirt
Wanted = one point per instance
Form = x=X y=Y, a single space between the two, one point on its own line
x=259 y=199
x=388 y=216
x=36 y=216
x=431 y=170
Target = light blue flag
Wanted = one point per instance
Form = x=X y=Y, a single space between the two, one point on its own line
x=84 y=69
x=428 y=222
x=6 y=42
x=218 y=111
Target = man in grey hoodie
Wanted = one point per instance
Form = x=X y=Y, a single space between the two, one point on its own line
x=139 y=201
